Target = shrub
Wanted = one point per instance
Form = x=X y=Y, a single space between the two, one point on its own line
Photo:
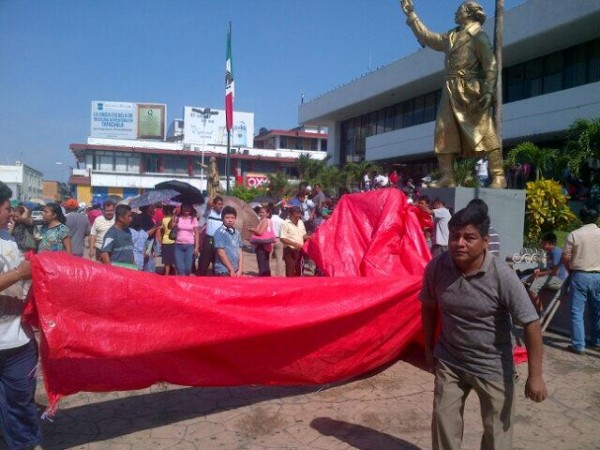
x=546 y=209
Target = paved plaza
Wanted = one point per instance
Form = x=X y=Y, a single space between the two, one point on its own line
x=388 y=410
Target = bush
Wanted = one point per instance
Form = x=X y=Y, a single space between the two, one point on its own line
x=246 y=194
x=546 y=209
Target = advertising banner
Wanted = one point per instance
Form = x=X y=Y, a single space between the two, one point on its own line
x=116 y=120
x=207 y=126
x=123 y=120
x=256 y=180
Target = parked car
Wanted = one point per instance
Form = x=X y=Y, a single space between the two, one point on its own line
x=37 y=217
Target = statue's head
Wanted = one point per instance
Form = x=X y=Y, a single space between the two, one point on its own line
x=470 y=11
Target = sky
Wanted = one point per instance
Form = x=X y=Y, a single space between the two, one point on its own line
x=57 y=56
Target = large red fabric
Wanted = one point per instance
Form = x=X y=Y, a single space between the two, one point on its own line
x=105 y=328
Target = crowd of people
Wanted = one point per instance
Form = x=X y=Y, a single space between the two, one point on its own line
x=468 y=293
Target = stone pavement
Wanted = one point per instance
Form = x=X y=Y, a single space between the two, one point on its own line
x=389 y=410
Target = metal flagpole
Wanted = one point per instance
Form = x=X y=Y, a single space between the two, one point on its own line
x=227 y=159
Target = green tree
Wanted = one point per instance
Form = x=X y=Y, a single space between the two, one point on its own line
x=464 y=172
x=354 y=172
x=331 y=179
x=279 y=184
x=542 y=159
x=583 y=144
x=310 y=168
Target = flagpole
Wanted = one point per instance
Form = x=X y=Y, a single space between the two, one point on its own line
x=227 y=159
x=229 y=96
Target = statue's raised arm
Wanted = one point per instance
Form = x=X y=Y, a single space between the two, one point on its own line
x=407 y=6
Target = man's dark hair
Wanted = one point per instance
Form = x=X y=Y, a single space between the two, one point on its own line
x=108 y=203
x=470 y=216
x=218 y=198
x=438 y=200
x=479 y=204
x=295 y=209
x=227 y=210
x=589 y=215
x=121 y=210
x=423 y=198
x=549 y=237
x=5 y=193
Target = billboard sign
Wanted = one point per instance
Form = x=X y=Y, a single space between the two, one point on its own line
x=123 y=120
x=256 y=180
x=210 y=129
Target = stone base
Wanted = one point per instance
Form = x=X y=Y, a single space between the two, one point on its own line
x=506 y=210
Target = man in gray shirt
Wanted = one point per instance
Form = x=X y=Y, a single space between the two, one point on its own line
x=78 y=225
x=476 y=296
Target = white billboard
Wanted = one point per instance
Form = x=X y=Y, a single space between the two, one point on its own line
x=122 y=120
x=210 y=129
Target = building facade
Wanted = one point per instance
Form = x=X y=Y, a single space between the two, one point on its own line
x=551 y=77
x=312 y=140
x=25 y=182
x=55 y=191
x=125 y=168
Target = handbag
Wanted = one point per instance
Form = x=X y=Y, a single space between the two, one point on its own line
x=267 y=236
x=173 y=232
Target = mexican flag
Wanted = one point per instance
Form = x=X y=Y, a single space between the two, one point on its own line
x=229 y=84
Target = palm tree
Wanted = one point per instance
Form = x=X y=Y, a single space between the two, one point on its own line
x=278 y=182
x=354 y=172
x=464 y=172
x=331 y=179
x=583 y=144
x=310 y=168
x=542 y=159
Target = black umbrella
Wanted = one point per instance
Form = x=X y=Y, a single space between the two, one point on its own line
x=187 y=192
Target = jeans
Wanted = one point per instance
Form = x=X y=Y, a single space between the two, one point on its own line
x=262 y=259
x=20 y=419
x=184 y=258
x=207 y=256
x=585 y=286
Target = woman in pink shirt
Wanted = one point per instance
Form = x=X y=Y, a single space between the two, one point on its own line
x=187 y=243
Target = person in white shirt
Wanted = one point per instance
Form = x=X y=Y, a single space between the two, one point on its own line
x=213 y=223
x=20 y=425
x=99 y=228
x=277 y=263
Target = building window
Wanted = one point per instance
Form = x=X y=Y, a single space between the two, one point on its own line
x=104 y=162
x=593 y=59
x=175 y=165
x=151 y=164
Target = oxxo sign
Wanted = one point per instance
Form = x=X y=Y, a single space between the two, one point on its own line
x=256 y=180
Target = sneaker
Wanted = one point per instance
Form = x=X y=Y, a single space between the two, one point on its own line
x=577 y=351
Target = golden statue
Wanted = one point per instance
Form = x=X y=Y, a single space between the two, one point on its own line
x=464 y=124
x=214 y=180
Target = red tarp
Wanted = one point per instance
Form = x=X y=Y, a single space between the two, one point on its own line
x=104 y=328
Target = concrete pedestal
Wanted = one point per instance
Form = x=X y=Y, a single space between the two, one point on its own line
x=506 y=210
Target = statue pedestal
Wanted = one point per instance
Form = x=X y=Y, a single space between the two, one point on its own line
x=506 y=210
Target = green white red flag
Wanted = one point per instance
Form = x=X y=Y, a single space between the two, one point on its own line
x=229 y=83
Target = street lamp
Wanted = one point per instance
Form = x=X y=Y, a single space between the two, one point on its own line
x=205 y=113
